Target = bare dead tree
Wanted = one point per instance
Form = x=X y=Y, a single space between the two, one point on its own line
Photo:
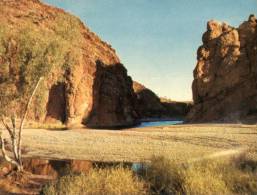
x=16 y=134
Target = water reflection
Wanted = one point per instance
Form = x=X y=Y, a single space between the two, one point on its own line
x=56 y=168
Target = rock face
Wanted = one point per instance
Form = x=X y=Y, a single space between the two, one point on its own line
x=225 y=77
x=94 y=89
x=114 y=99
x=150 y=106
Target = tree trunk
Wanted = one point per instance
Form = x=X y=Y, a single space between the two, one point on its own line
x=23 y=120
x=7 y=158
x=16 y=139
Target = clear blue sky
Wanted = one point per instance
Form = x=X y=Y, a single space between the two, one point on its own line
x=157 y=39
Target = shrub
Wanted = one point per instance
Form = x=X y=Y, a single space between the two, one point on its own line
x=26 y=56
x=163 y=176
x=205 y=178
x=240 y=174
x=30 y=51
x=98 y=181
x=236 y=176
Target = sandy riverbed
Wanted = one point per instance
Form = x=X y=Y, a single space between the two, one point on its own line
x=180 y=142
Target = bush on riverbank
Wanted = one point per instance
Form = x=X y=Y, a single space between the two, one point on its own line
x=165 y=177
x=236 y=176
x=115 y=181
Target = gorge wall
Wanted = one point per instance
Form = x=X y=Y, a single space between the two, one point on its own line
x=86 y=84
x=150 y=107
x=225 y=77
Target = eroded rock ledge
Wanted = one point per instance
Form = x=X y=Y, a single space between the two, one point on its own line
x=225 y=77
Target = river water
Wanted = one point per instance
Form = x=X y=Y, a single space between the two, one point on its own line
x=160 y=123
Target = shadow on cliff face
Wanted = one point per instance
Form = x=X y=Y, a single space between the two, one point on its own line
x=56 y=106
x=113 y=98
x=112 y=101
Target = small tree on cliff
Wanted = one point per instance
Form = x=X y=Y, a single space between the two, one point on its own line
x=26 y=57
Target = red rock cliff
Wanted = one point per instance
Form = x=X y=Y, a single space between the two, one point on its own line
x=94 y=90
x=225 y=77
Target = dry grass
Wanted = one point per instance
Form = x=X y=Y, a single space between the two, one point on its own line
x=202 y=178
x=115 y=181
x=197 y=159
x=179 y=142
x=165 y=177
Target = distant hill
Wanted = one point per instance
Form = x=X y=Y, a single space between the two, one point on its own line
x=150 y=106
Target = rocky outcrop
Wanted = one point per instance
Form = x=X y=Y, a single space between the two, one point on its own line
x=88 y=85
x=114 y=99
x=225 y=77
x=150 y=107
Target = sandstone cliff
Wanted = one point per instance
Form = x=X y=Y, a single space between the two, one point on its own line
x=225 y=77
x=86 y=84
x=150 y=106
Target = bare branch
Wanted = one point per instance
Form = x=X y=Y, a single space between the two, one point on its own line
x=7 y=127
x=13 y=118
x=25 y=115
x=14 y=139
x=12 y=135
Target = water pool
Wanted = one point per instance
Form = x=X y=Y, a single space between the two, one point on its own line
x=160 y=123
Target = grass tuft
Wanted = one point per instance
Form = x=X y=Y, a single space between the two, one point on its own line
x=113 y=181
x=234 y=176
x=162 y=176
